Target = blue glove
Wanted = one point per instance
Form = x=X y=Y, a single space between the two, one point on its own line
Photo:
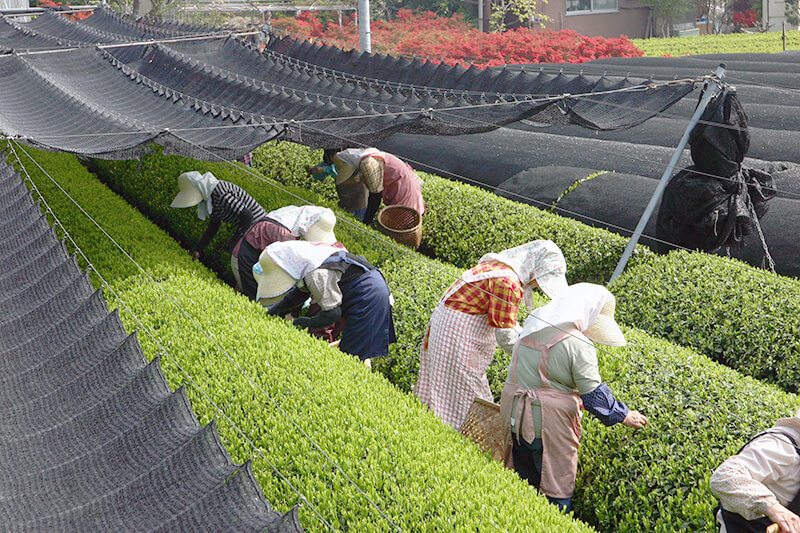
x=327 y=170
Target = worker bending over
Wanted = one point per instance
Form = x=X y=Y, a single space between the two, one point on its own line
x=310 y=223
x=365 y=176
x=343 y=284
x=219 y=201
x=553 y=373
x=478 y=312
x=760 y=485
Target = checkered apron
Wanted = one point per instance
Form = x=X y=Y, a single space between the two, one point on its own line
x=455 y=354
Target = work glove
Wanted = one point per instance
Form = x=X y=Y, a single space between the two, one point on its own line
x=291 y=303
x=320 y=320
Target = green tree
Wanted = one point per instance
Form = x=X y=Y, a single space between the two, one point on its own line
x=791 y=12
x=662 y=13
x=525 y=11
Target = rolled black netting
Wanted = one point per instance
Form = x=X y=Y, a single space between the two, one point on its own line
x=91 y=436
x=218 y=97
x=609 y=108
x=715 y=202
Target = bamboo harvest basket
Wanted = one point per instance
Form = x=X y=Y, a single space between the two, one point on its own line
x=484 y=427
x=402 y=224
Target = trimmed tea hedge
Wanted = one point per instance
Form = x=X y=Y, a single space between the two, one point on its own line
x=745 y=318
x=738 y=315
x=419 y=472
x=652 y=480
x=463 y=222
x=769 y=42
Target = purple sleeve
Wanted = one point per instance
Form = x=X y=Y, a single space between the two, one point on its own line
x=602 y=404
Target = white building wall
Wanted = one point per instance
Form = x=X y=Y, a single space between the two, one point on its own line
x=9 y=4
x=773 y=11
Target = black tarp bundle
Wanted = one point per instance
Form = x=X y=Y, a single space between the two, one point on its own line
x=209 y=97
x=716 y=202
x=91 y=436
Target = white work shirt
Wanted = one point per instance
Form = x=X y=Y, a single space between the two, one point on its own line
x=766 y=472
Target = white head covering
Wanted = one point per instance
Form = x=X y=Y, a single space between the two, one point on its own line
x=299 y=219
x=205 y=183
x=298 y=258
x=539 y=260
x=347 y=162
x=579 y=306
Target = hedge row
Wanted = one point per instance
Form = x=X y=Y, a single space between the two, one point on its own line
x=463 y=221
x=653 y=480
x=383 y=439
x=769 y=42
x=724 y=308
x=741 y=316
x=155 y=186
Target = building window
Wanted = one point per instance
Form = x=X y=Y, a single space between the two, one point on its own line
x=588 y=6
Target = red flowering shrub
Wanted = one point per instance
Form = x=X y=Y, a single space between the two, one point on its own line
x=50 y=3
x=452 y=40
x=746 y=18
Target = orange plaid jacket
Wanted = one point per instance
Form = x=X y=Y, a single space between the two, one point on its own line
x=499 y=298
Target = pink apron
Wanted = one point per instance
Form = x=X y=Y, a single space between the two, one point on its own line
x=561 y=421
x=456 y=351
x=400 y=184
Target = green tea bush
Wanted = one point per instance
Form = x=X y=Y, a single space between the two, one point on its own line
x=262 y=376
x=652 y=480
x=463 y=222
x=738 y=315
x=743 y=317
x=768 y=42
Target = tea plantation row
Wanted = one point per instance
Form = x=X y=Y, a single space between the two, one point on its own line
x=653 y=480
x=742 y=316
x=768 y=42
x=262 y=376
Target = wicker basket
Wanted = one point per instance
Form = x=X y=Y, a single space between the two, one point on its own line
x=402 y=224
x=484 y=427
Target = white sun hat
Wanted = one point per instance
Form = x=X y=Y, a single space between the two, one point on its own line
x=322 y=229
x=195 y=189
x=540 y=260
x=308 y=222
x=282 y=264
x=587 y=307
x=273 y=281
x=347 y=162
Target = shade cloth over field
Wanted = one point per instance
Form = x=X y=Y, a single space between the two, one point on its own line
x=91 y=436
x=218 y=96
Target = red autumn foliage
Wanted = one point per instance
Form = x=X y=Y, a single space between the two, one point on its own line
x=452 y=40
x=50 y=3
x=746 y=18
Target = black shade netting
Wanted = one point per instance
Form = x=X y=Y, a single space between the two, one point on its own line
x=91 y=436
x=217 y=97
x=608 y=104
x=716 y=202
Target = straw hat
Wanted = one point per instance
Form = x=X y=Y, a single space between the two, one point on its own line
x=322 y=229
x=605 y=329
x=189 y=194
x=344 y=171
x=273 y=281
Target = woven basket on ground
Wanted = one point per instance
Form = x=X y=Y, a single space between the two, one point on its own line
x=484 y=427
x=402 y=224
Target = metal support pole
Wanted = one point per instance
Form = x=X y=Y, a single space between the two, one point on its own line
x=481 y=25
x=365 y=36
x=713 y=87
